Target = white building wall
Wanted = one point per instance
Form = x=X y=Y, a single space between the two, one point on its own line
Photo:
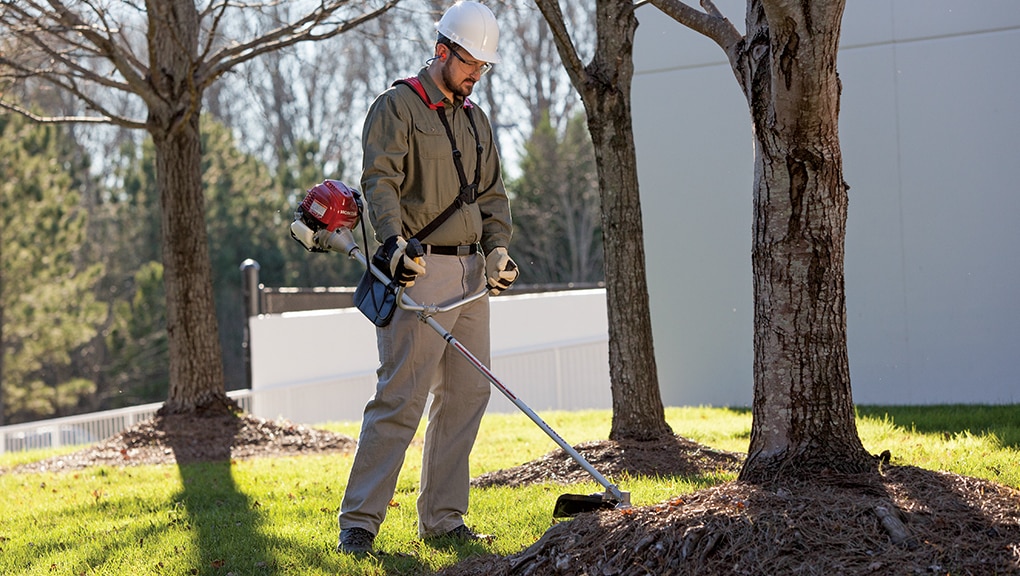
x=930 y=133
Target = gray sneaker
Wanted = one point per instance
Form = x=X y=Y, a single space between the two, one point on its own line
x=355 y=541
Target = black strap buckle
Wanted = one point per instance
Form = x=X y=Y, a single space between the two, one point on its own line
x=468 y=194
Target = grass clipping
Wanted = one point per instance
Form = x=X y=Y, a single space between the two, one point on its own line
x=906 y=520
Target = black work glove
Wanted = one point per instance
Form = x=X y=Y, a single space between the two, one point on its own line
x=400 y=260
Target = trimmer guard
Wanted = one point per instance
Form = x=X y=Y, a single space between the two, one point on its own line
x=570 y=505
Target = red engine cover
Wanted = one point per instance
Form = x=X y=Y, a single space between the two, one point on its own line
x=331 y=205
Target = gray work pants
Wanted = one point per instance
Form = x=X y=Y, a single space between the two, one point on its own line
x=415 y=360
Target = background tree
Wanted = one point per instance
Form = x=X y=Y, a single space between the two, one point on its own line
x=47 y=306
x=131 y=357
x=557 y=227
x=604 y=85
x=786 y=66
x=137 y=352
x=531 y=83
x=87 y=49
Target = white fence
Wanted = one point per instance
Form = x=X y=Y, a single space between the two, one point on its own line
x=550 y=349
x=85 y=428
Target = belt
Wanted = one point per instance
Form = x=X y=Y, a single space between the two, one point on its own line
x=465 y=250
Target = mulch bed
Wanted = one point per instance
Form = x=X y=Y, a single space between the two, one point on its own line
x=941 y=523
x=676 y=456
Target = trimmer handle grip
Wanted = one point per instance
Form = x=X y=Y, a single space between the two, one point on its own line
x=414 y=249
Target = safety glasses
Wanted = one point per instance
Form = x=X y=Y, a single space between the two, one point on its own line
x=481 y=67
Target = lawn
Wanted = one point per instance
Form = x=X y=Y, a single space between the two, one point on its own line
x=278 y=515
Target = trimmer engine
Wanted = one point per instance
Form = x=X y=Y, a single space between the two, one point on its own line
x=328 y=206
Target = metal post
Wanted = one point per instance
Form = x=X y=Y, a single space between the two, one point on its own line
x=252 y=307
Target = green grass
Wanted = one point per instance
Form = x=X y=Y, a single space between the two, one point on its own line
x=278 y=516
x=974 y=440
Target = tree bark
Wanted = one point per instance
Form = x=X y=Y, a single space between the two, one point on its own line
x=803 y=416
x=638 y=413
x=196 y=371
x=785 y=63
x=604 y=85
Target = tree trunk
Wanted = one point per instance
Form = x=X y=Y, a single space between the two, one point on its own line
x=637 y=403
x=803 y=409
x=196 y=371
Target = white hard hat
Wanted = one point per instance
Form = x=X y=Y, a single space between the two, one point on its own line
x=473 y=27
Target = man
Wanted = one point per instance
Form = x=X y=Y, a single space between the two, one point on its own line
x=410 y=176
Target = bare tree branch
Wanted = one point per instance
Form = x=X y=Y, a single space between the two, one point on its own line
x=54 y=23
x=67 y=119
x=124 y=62
x=211 y=36
x=65 y=81
x=564 y=45
x=67 y=59
x=710 y=23
x=302 y=30
x=714 y=25
x=69 y=43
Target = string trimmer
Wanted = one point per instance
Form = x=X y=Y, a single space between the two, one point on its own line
x=324 y=222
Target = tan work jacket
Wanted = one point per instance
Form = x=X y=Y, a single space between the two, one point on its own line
x=409 y=176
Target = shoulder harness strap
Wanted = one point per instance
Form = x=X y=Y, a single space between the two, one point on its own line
x=419 y=89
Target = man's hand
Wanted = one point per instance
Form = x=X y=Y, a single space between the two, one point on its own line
x=392 y=259
x=500 y=270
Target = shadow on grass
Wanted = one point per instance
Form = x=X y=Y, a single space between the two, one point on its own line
x=228 y=525
x=1001 y=420
x=225 y=521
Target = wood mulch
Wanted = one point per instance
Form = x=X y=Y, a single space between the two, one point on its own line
x=676 y=456
x=905 y=520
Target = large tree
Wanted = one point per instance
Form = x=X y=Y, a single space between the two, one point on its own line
x=785 y=65
x=163 y=54
x=604 y=84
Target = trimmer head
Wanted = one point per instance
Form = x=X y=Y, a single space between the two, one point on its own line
x=570 y=505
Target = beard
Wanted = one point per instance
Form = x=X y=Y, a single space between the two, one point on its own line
x=463 y=88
